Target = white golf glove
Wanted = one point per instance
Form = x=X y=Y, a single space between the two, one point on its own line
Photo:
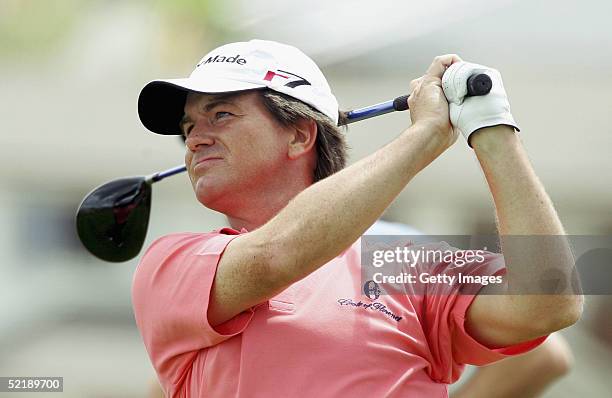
x=468 y=114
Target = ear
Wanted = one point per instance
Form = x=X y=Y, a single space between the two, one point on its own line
x=302 y=139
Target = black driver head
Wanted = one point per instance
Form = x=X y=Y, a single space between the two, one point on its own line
x=112 y=220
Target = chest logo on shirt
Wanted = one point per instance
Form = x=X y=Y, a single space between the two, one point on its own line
x=376 y=307
x=371 y=290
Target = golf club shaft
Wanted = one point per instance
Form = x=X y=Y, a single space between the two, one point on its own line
x=479 y=84
x=166 y=173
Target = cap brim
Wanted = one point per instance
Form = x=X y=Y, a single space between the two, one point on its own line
x=161 y=103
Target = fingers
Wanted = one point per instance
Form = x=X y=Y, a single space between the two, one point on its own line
x=435 y=71
x=441 y=63
x=425 y=79
x=415 y=83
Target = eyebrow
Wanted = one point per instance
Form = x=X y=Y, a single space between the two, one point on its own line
x=219 y=99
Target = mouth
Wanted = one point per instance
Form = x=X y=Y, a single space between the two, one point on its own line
x=202 y=163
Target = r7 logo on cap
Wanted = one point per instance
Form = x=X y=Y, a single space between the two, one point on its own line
x=293 y=83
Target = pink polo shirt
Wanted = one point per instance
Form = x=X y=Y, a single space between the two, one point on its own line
x=320 y=337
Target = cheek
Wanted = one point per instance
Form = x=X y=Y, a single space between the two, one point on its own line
x=268 y=158
x=262 y=150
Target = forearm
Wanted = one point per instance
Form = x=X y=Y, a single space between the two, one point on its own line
x=326 y=218
x=532 y=236
x=522 y=205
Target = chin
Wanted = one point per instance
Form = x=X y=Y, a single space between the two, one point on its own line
x=211 y=194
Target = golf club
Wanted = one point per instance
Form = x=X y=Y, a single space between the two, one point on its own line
x=112 y=220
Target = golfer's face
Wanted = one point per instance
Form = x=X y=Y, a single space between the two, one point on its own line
x=233 y=146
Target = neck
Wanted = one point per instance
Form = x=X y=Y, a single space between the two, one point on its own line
x=257 y=208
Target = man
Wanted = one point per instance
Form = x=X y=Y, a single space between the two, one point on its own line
x=257 y=309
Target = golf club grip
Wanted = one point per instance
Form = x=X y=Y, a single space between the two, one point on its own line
x=478 y=84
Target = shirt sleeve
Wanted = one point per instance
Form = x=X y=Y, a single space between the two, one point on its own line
x=445 y=309
x=170 y=295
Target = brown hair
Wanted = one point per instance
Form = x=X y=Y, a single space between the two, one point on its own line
x=330 y=145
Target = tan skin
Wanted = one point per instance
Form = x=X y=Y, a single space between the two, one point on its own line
x=246 y=139
x=262 y=182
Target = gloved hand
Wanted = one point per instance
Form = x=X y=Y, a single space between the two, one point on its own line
x=468 y=114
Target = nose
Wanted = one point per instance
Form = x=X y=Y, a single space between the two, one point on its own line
x=199 y=137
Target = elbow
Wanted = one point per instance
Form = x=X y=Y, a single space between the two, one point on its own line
x=571 y=311
x=564 y=312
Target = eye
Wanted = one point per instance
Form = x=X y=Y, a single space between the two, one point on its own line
x=221 y=115
x=187 y=129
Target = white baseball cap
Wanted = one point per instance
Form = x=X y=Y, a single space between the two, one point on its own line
x=237 y=67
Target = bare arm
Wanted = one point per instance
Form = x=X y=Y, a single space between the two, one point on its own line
x=321 y=222
x=523 y=208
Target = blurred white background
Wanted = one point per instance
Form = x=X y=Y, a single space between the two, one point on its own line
x=70 y=74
